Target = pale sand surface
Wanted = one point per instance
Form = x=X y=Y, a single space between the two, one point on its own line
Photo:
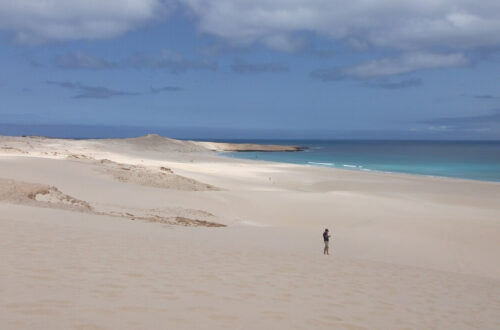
x=120 y=234
x=221 y=146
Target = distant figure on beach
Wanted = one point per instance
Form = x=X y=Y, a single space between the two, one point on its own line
x=326 y=239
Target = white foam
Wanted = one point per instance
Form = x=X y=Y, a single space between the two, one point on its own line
x=325 y=164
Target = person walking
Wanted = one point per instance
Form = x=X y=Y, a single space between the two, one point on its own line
x=326 y=239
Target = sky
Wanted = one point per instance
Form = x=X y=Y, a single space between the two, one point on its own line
x=413 y=69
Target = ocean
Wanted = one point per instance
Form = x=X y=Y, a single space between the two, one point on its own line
x=476 y=160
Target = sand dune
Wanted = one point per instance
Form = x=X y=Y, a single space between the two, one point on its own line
x=246 y=147
x=153 y=142
x=129 y=234
x=161 y=177
x=38 y=195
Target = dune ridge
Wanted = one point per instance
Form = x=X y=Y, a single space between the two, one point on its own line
x=247 y=147
x=40 y=195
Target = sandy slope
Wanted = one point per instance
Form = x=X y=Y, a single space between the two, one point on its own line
x=107 y=234
x=245 y=147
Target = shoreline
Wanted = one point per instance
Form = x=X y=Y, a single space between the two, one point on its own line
x=367 y=171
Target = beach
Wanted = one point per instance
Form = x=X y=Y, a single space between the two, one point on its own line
x=155 y=233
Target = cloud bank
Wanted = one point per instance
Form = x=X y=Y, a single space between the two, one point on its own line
x=33 y=21
x=392 y=66
x=406 y=25
x=90 y=92
x=426 y=34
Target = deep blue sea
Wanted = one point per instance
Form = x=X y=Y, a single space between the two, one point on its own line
x=457 y=159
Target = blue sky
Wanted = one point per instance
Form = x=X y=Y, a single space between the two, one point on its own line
x=294 y=68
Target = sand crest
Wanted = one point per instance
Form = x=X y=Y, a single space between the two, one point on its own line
x=39 y=195
x=161 y=177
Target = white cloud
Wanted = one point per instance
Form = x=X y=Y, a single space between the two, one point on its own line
x=404 y=64
x=421 y=28
x=406 y=25
x=34 y=21
x=385 y=67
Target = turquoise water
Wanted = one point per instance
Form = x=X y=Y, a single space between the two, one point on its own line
x=476 y=160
